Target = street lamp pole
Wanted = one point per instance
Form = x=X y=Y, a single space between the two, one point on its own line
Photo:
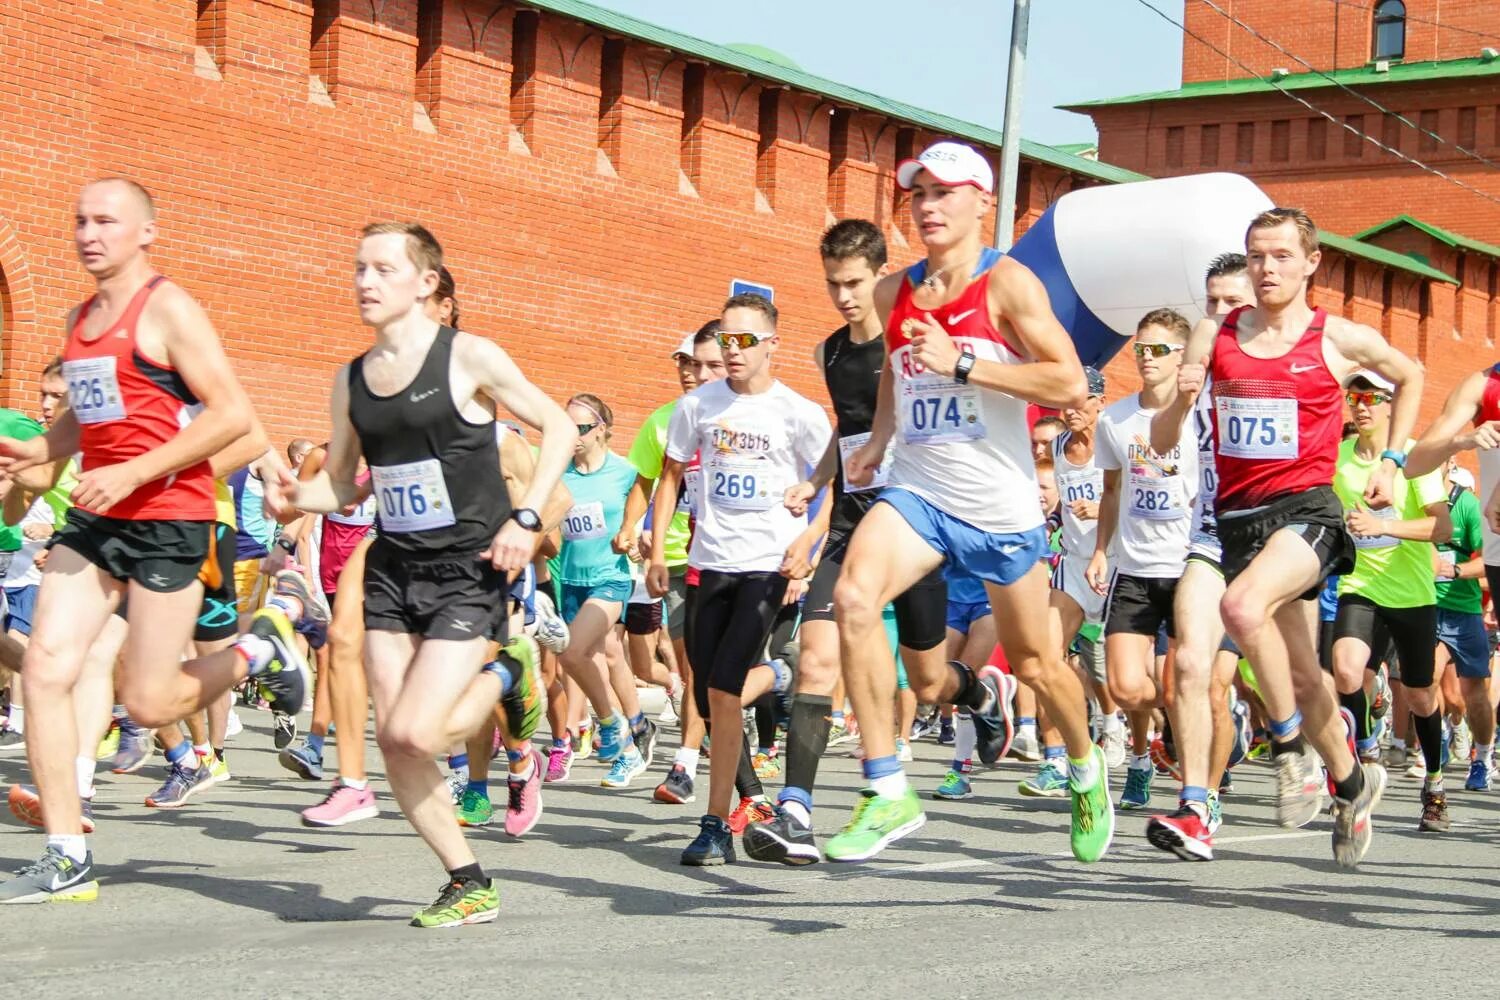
x=1010 y=145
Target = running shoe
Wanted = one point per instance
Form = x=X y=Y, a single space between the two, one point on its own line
x=475 y=809
x=1393 y=758
x=1462 y=742
x=1226 y=783
x=344 y=805
x=283 y=682
x=551 y=631
x=523 y=806
x=1165 y=761
x=995 y=727
x=26 y=806
x=1434 y=812
x=135 y=749
x=302 y=760
x=756 y=810
x=283 y=729
x=1368 y=750
x=1183 y=833
x=1416 y=763
x=766 y=766
x=1479 y=775
x=782 y=839
x=1260 y=746
x=110 y=745
x=841 y=733
x=559 y=764
x=947 y=736
x=1215 y=813
x=233 y=726
x=1093 y=815
x=955 y=786
x=1380 y=702
x=54 y=878
x=714 y=844
x=218 y=768
x=1299 y=789
x=1348 y=718
x=1446 y=754
x=583 y=742
x=903 y=751
x=1112 y=742
x=646 y=739
x=626 y=766
x=677 y=788
x=923 y=727
x=1137 y=793
x=522 y=704
x=290 y=583
x=459 y=902
x=877 y=822
x=668 y=715
x=1026 y=747
x=1352 y=824
x=1239 y=717
x=11 y=741
x=1048 y=783
x=457 y=781
x=180 y=786
x=613 y=740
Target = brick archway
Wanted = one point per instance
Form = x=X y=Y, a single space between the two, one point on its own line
x=17 y=304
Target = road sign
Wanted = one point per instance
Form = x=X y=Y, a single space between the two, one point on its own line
x=739 y=286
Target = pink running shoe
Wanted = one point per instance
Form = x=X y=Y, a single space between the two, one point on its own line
x=343 y=806
x=559 y=764
x=525 y=805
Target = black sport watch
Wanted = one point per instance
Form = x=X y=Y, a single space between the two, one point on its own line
x=526 y=518
x=963 y=366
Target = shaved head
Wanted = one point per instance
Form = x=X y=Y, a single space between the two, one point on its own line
x=136 y=193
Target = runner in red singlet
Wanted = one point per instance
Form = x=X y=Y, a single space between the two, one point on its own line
x=1278 y=374
x=153 y=398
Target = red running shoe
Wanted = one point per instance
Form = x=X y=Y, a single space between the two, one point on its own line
x=1184 y=833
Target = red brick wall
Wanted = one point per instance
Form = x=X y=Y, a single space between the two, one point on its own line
x=595 y=196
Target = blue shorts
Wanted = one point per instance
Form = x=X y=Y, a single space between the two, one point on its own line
x=962 y=615
x=573 y=596
x=1463 y=633
x=1001 y=558
x=20 y=608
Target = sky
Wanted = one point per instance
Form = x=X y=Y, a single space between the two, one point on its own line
x=951 y=55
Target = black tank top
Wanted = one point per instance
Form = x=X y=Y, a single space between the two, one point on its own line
x=436 y=475
x=852 y=373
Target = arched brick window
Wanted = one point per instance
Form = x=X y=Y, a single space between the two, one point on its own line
x=1390 y=30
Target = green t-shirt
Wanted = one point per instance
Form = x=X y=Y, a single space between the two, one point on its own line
x=1468 y=538
x=590 y=526
x=1390 y=572
x=14 y=424
x=647 y=452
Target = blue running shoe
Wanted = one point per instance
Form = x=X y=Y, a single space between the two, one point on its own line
x=134 y=750
x=1447 y=739
x=179 y=787
x=1239 y=717
x=1137 y=794
x=714 y=844
x=627 y=765
x=1048 y=783
x=1479 y=776
x=612 y=741
x=303 y=760
x=954 y=786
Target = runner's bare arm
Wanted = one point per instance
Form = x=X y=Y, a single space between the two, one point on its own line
x=252 y=446
x=518 y=468
x=332 y=487
x=1054 y=375
x=1097 y=571
x=636 y=502
x=1366 y=348
x=1167 y=422
x=667 y=488
x=1446 y=436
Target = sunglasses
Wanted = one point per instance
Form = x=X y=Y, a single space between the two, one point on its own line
x=585 y=428
x=1371 y=397
x=742 y=339
x=1155 y=350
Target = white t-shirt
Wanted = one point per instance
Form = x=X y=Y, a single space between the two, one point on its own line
x=1204 y=521
x=1156 y=492
x=752 y=448
x=23 y=571
x=1076 y=482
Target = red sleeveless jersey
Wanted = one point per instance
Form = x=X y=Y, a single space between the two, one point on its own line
x=1277 y=421
x=126 y=405
x=1489 y=405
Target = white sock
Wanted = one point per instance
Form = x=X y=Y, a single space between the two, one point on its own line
x=290 y=606
x=17 y=722
x=71 y=844
x=688 y=758
x=1484 y=753
x=85 y=766
x=892 y=786
x=1084 y=773
x=1113 y=723
x=798 y=812
x=359 y=785
x=203 y=750
x=1140 y=762
x=964 y=737
x=257 y=652
x=523 y=776
x=1029 y=729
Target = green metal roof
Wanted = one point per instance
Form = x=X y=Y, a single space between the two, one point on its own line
x=1450 y=69
x=1380 y=255
x=745 y=62
x=1436 y=232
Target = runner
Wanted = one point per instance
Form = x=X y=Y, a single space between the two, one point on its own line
x=143 y=524
x=419 y=407
x=854 y=260
x=1278 y=372
x=1460 y=622
x=1145 y=514
x=756 y=438
x=960 y=489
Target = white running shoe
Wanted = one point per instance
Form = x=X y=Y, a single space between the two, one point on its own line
x=551 y=631
x=1113 y=745
x=234 y=726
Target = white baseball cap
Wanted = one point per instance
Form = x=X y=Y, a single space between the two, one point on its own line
x=1376 y=379
x=952 y=163
x=1462 y=477
x=684 y=349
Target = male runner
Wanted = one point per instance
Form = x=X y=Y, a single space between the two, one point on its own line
x=971 y=339
x=1278 y=372
x=756 y=438
x=854 y=261
x=419 y=407
x=1458 y=568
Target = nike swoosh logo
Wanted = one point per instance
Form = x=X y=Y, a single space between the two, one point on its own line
x=955 y=320
x=418 y=398
x=1010 y=550
x=1299 y=369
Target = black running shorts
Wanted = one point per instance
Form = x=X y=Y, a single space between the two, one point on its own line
x=453 y=597
x=163 y=556
x=921 y=612
x=1316 y=515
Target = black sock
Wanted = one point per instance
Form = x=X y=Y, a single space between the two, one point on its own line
x=971 y=693
x=1293 y=745
x=1430 y=735
x=744 y=779
x=219 y=753
x=1359 y=706
x=765 y=722
x=469 y=873
x=1350 y=787
x=807 y=739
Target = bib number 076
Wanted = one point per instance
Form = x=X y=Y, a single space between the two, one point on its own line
x=403 y=501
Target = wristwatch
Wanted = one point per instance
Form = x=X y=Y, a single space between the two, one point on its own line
x=963 y=366
x=526 y=518
x=286 y=545
x=1398 y=457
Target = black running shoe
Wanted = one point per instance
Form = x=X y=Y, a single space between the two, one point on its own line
x=714 y=844
x=995 y=726
x=784 y=839
x=283 y=682
x=645 y=740
x=283 y=729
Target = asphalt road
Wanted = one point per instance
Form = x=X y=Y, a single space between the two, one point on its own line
x=232 y=897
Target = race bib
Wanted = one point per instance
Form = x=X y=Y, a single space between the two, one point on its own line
x=1074 y=486
x=585 y=522
x=935 y=410
x=412 y=497
x=687 y=496
x=1379 y=541
x=1208 y=479
x=93 y=390
x=733 y=482
x=1155 y=498
x=1257 y=429
x=848 y=445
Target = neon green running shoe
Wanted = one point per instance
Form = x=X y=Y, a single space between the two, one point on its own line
x=475 y=809
x=877 y=822
x=523 y=702
x=110 y=745
x=1093 y=815
x=459 y=903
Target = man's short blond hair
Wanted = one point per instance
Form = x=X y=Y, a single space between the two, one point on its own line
x=1272 y=218
x=421 y=246
x=136 y=190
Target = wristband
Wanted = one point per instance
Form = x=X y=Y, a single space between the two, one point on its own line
x=1397 y=457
